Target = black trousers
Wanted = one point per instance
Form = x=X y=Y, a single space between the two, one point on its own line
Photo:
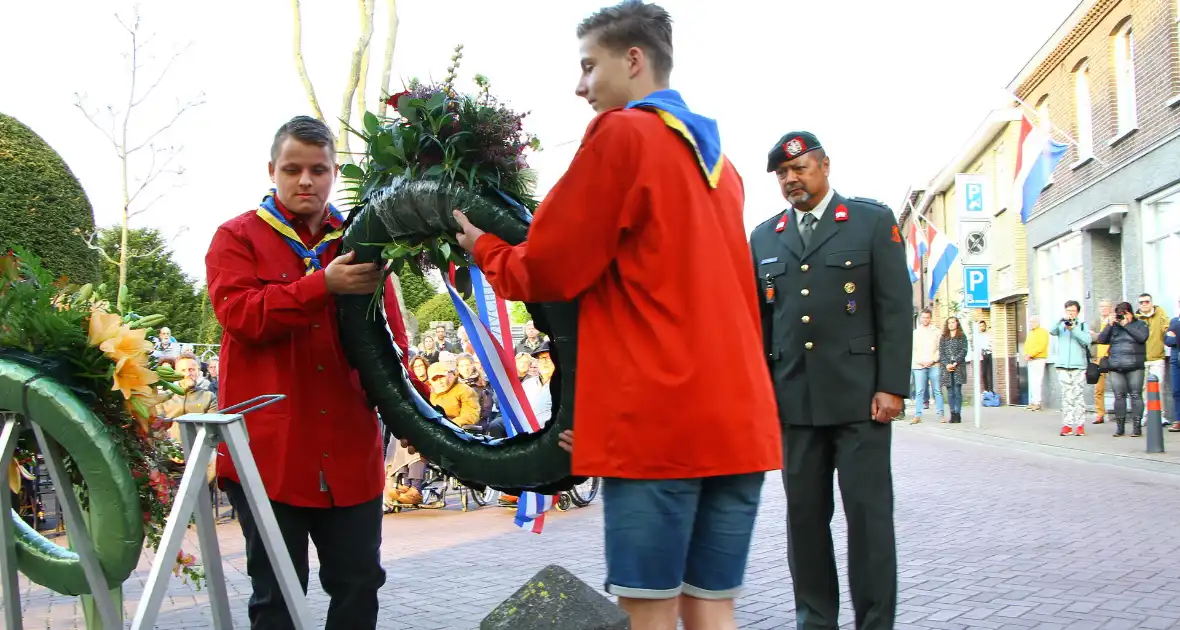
x=860 y=452
x=348 y=543
x=985 y=374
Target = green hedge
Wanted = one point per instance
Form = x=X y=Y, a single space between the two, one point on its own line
x=42 y=203
x=439 y=309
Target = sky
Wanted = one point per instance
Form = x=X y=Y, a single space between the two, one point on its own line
x=891 y=89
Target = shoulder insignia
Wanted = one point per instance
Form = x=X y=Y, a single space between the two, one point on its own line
x=774 y=220
x=896 y=236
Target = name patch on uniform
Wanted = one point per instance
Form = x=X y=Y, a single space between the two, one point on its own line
x=841 y=213
x=768 y=260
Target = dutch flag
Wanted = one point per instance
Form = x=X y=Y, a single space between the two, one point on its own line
x=490 y=332
x=942 y=255
x=1036 y=156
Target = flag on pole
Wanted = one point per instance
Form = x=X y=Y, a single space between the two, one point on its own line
x=913 y=254
x=942 y=255
x=490 y=332
x=1037 y=154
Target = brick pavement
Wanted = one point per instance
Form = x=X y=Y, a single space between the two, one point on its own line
x=988 y=537
x=1017 y=427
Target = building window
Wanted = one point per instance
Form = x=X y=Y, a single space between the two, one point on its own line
x=1124 y=79
x=1084 y=112
x=1161 y=241
x=1059 y=279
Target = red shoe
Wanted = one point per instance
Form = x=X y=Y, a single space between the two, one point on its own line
x=1081 y=430
x=1066 y=431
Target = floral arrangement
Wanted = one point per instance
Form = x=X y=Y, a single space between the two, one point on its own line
x=108 y=362
x=471 y=140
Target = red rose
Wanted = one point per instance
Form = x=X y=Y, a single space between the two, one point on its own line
x=392 y=100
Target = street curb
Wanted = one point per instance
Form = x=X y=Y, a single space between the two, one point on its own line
x=1112 y=459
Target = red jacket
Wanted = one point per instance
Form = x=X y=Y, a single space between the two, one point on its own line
x=671 y=378
x=281 y=338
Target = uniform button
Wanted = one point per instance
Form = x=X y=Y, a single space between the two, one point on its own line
x=809 y=345
x=319 y=368
x=806 y=319
x=325 y=454
x=847 y=263
x=805 y=293
x=224 y=299
x=323 y=412
x=804 y=267
x=315 y=325
x=872 y=348
x=284 y=275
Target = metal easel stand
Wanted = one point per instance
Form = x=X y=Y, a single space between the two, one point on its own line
x=78 y=533
x=200 y=435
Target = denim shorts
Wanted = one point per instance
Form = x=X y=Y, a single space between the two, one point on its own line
x=665 y=537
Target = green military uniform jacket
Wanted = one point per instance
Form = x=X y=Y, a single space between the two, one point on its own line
x=836 y=316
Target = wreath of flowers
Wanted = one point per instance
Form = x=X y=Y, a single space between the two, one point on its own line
x=108 y=361
x=474 y=141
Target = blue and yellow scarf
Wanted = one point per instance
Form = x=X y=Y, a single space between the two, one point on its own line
x=700 y=132
x=269 y=212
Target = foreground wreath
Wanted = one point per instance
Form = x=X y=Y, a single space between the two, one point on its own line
x=444 y=151
x=85 y=377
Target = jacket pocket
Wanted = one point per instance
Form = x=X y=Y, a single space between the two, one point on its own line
x=276 y=276
x=865 y=344
x=848 y=259
x=773 y=269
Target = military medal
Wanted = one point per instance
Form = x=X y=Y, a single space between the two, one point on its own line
x=769 y=289
x=849 y=287
x=850 y=307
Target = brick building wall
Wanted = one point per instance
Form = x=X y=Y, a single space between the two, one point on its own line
x=1157 y=85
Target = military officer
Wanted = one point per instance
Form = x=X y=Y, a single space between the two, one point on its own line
x=836 y=325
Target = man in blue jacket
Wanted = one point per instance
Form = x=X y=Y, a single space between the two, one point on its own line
x=1172 y=340
x=1073 y=353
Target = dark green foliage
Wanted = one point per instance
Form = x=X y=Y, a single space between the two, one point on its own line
x=416 y=291
x=210 y=328
x=155 y=283
x=439 y=309
x=42 y=204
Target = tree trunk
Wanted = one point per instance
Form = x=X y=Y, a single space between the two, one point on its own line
x=354 y=75
x=387 y=62
x=300 y=67
x=362 y=85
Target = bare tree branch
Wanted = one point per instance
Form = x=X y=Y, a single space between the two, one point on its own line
x=387 y=62
x=300 y=67
x=200 y=100
x=91 y=119
x=161 y=246
x=160 y=77
x=354 y=73
x=89 y=241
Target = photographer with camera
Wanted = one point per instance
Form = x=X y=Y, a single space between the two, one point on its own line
x=1127 y=338
x=1073 y=353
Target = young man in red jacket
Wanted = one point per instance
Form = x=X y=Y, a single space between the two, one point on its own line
x=645 y=229
x=272 y=272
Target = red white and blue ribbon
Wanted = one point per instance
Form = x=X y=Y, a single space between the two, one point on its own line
x=490 y=333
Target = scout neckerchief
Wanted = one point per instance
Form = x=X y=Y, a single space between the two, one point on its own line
x=270 y=213
x=700 y=132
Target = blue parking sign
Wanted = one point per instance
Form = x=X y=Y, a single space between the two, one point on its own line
x=973 y=191
x=975 y=286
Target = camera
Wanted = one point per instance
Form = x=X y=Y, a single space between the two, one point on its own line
x=1069 y=323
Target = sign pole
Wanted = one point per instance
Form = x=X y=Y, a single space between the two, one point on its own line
x=977 y=396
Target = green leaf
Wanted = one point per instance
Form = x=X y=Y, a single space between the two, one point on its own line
x=372 y=125
x=438 y=100
x=352 y=171
x=444 y=248
x=435 y=171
